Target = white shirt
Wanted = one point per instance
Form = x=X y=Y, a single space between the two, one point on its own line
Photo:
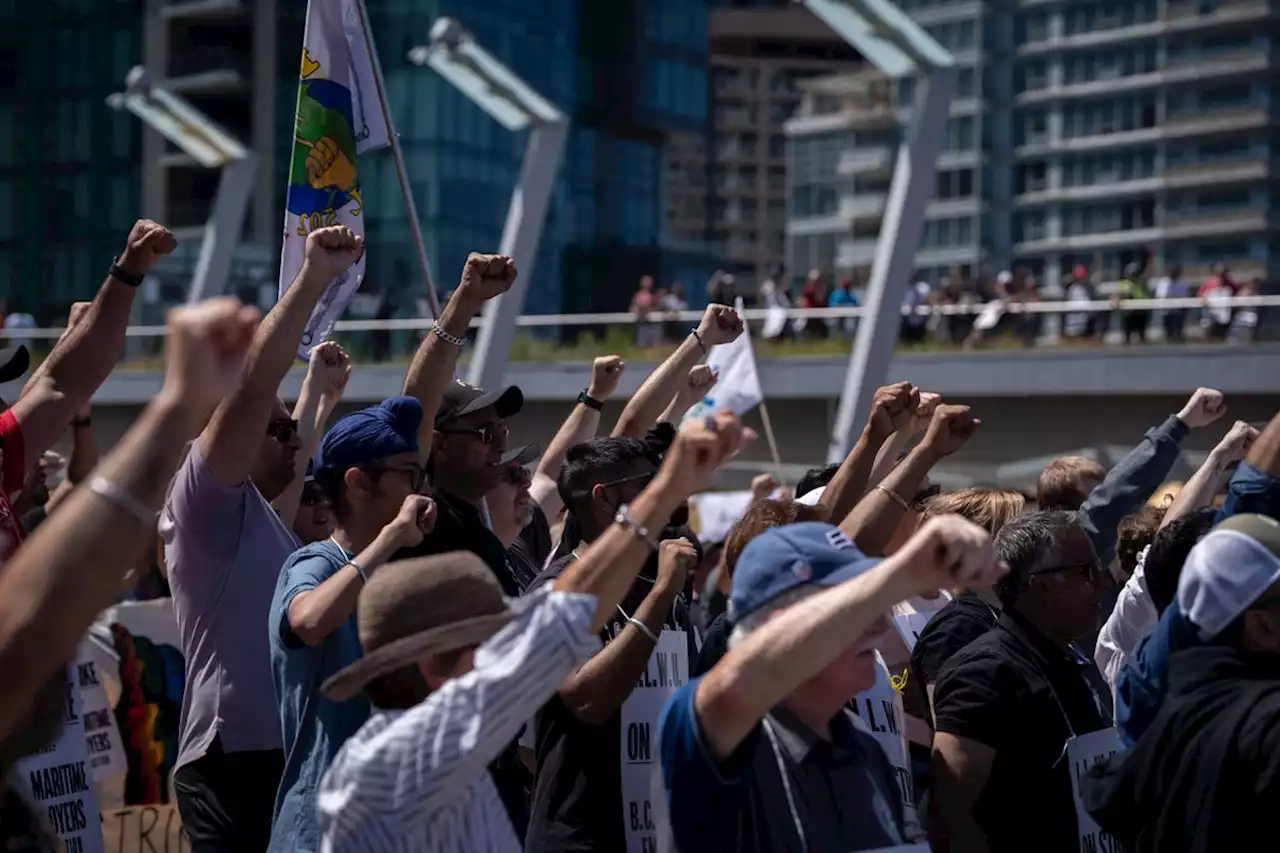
x=417 y=780
x=1132 y=619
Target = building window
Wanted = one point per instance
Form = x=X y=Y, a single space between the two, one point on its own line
x=966 y=83
x=954 y=184
x=960 y=134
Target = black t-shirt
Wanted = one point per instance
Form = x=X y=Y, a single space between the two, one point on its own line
x=960 y=621
x=459 y=527
x=530 y=550
x=577 y=794
x=715 y=645
x=1014 y=691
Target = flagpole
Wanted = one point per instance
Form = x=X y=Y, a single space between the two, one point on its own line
x=773 y=442
x=397 y=156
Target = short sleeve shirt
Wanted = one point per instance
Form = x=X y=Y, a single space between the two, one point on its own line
x=528 y=554
x=12 y=476
x=961 y=621
x=224 y=546
x=459 y=527
x=844 y=791
x=314 y=727
x=1014 y=691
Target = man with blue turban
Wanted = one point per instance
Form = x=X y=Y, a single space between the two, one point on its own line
x=369 y=469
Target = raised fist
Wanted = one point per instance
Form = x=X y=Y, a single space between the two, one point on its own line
x=331 y=250
x=700 y=447
x=948 y=552
x=720 y=325
x=1235 y=445
x=676 y=558
x=929 y=403
x=329 y=369
x=1205 y=406
x=893 y=407
x=486 y=276
x=148 y=241
x=950 y=428
x=416 y=519
x=702 y=378
x=606 y=372
x=205 y=346
x=763 y=485
x=328 y=166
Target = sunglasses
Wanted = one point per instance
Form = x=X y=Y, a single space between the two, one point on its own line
x=1087 y=571
x=515 y=475
x=488 y=434
x=417 y=474
x=282 y=429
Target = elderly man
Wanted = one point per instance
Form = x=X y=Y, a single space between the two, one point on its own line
x=761 y=753
x=1007 y=703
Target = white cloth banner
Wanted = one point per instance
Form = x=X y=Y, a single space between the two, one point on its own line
x=880 y=712
x=59 y=782
x=717 y=512
x=338 y=116
x=667 y=669
x=102 y=735
x=737 y=385
x=1083 y=752
x=910 y=616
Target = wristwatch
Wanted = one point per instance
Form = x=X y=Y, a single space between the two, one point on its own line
x=119 y=273
x=590 y=402
x=81 y=422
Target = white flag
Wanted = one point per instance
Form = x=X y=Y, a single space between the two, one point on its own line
x=338 y=116
x=737 y=385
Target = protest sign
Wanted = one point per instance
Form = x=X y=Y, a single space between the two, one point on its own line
x=59 y=783
x=144 y=829
x=102 y=735
x=1083 y=752
x=879 y=709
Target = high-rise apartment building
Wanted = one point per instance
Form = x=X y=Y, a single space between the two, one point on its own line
x=731 y=189
x=1081 y=133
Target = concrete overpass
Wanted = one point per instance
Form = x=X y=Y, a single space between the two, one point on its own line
x=1033 y=402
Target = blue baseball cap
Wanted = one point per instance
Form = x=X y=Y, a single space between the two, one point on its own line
x=811 y=553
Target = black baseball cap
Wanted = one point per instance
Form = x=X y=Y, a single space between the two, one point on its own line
x=522 y=455
x=13 y=363
x=462 y=399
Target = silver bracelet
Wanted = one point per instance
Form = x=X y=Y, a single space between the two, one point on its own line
x=643 y=628
x=104 y=488
x=624 y=518
x=360 y=570
x=446 y=337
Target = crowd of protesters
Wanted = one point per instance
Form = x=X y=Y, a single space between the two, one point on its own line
x=401 y=633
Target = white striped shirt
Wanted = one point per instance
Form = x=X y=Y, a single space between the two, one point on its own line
x=418 y=780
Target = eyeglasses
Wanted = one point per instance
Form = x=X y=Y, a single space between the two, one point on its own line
x=282 y=429
x=312 y=496
x=515 y=475
x=417 y=474
x=488 y=434
x=1088 y=571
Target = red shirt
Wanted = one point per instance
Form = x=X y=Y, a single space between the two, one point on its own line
x=12 y=476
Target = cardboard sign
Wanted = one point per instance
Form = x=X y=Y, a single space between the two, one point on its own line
x=1083 y=752
x=144 y=829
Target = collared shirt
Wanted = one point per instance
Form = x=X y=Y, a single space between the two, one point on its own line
x=838 y=794
x=224 y=546
x=416 y=780
x=1014 y=691
x=1132 y=619
x=314 y=726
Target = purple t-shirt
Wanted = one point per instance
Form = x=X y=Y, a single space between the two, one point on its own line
x=224 y=548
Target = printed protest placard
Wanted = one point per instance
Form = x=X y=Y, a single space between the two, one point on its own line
x=102 y=735
x=1083 y=752
x=880 y=710
x=59 y=783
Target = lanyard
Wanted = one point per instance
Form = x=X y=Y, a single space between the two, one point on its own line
x=786 y=783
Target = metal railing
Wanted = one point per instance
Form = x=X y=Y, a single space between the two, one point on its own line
x=757 y=315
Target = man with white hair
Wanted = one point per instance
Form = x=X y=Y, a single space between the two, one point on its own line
x=761 y=753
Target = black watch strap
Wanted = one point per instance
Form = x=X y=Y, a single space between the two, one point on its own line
x=81 y=422
x=590 y=402
x=119 y=273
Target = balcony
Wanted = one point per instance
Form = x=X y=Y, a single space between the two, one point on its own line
x=1179 y=225
x=209 y=71
x=1089 y=242
x=176 y=10
x=861 y=207
x=1192 y=15
x=1195 y=174
x=1200 y=123
x=1112 y=36
x=1103 y=188
x=1093 y=142
x=1199 y=65
x=866 y=162
x=851 y=253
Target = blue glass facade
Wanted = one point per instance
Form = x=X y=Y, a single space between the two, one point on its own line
x=627 y=71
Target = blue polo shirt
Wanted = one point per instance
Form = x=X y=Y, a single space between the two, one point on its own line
x=314 y=727
x=843 y=790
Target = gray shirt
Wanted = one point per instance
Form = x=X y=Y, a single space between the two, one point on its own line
x=224 y=547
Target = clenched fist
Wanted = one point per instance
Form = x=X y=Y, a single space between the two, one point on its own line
x=893 y=407
x=148 y=241
x=676 y=558
x=329 y=369
x=702 y=378
x=331 y=251
x=950 y=428
x=1205 y=406
x=929 y=403
x=948 y=552
x=485 y=277
x=417 y=518
x=720 y=325
x=1235 y=445
x=701 y=446
x=327 y=166
x=205 y=346
x=606 y=372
